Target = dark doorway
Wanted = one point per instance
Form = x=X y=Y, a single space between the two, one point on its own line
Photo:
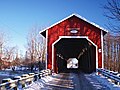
x=79 y=48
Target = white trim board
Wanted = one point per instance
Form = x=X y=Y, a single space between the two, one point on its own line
x=46 y=48
x=102 y=49
x=60 y=37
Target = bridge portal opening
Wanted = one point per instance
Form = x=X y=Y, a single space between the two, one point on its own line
x=80 y=49
x=72 y=63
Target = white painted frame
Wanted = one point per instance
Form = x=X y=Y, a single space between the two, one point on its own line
x=102 y=49
x=85 y=37
x=46 y=48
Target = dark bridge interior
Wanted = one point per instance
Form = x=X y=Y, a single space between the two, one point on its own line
x=79 y=48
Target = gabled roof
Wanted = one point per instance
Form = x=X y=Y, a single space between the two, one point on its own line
x=77 y=15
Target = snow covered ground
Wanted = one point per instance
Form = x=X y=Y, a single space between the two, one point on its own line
x=97 y=81
x=9 y=73
x=103 y=80
x=37 y=85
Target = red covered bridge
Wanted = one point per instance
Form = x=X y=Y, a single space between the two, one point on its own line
x=77 y=38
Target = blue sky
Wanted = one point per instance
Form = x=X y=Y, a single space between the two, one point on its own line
x=18 y=17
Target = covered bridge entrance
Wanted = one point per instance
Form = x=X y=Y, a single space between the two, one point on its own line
x=74 y=38
x=80 y=48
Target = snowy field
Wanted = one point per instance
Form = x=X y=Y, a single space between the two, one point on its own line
x=8 y=73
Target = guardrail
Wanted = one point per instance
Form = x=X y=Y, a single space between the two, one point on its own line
x=23 y=80
x=113 y=76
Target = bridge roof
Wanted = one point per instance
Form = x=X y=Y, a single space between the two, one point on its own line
x=80 y=17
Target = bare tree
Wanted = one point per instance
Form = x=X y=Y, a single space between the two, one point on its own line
x=112 y=52
x=112 y=12
x=9 y=53
x=2 y=43
x=35 y=47
x=112 y=41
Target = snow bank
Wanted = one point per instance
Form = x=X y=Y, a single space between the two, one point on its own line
x=3 y=73
x=37 y=85
x=104 y=81
x=100 y=81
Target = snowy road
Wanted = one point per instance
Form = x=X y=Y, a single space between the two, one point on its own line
x=73 y=81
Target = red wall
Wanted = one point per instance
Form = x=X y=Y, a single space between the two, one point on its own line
x=63 y=29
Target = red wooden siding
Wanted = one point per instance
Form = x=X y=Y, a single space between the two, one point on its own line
x=63 y=29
